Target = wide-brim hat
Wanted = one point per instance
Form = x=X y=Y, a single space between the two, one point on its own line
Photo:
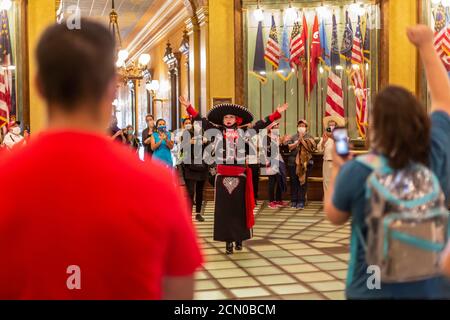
x=216 y=114
x=340 y=122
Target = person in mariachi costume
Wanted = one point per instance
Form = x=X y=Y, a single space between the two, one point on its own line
x=234 y=199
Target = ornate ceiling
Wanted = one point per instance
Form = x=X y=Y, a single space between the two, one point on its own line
x=130 y=11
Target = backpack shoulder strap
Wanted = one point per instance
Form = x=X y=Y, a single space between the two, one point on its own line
x=374 y=162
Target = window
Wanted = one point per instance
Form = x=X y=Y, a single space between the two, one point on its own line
x=436 y=14
x=267 y=90
x=12 y=64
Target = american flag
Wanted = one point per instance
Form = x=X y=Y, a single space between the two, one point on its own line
x=273 y=50
x=359 y=81
x=442 y=46
x=335 y=96
x=5 y=60
x=296 y=45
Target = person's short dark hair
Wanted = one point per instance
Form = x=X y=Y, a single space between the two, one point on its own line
x=149 y=116
x=401 y=127
x=75 y=66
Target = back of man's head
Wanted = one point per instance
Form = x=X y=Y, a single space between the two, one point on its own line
x=76 y=67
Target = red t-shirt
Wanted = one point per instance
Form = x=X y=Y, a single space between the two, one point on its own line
x=79 y=199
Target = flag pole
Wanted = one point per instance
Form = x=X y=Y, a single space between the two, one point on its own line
x=273 y=88
x=308 y=63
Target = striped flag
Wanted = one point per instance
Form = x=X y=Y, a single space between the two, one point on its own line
x=359 y=81
x=442 y=46
x=335 y=96
x=273 y=50
x=5 y=61
x=259 y=65
x=5 y=97
x=296 y=45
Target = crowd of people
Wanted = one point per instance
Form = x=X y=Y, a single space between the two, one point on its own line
x=74 y=214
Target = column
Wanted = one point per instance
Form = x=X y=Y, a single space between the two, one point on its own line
x=40 y=14
x=403 y=64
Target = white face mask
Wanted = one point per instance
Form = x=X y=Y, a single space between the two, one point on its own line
x=16 y=130
x=301 y=130
x=188 y=126
x=332 y=128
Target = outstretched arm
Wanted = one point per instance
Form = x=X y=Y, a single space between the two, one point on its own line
x=261 y=124
x=194 y=114
x=438 y=81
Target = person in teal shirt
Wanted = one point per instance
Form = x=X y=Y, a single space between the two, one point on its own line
x=403 y=133
x=162 y=144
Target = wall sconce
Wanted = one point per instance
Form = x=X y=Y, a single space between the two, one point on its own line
x=184 y=46
x=153 y=87
x=258 y=14
x=169 y=57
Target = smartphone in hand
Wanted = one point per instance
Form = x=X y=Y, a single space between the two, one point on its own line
x=340 y=136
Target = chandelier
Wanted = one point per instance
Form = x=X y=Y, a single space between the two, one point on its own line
x=127 y=70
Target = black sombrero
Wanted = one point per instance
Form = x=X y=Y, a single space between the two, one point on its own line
x=216 y=114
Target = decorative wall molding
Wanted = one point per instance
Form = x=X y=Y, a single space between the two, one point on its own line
x=171 y=14
x=202 y=15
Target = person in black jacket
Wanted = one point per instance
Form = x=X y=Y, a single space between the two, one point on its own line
x=147 y=134
x=194 y=174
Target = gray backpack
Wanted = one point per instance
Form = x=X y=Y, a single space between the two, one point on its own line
x=407 y=221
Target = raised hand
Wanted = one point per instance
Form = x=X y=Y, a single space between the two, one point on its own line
x=420 y=35
x=184 y=102
x=282 y=108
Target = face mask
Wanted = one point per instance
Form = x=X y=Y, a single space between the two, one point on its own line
x=162 y=128
x=332 y=128
x=188 y=126
x=16 y=130
x=130 y=131
x=302 y=130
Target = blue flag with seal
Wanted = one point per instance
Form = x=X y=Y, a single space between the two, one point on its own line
x=284 y=69
x=347 y=41
x=335 y=58
x=259 y=64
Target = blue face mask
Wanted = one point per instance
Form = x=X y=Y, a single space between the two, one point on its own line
x=162 y=128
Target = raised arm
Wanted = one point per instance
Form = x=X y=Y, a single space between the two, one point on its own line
x=261 y=124
x=195 y=115
x=438 y=80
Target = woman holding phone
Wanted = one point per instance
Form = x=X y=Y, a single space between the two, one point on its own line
x=161 y=143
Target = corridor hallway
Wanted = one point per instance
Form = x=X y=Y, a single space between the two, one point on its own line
x=293 y=255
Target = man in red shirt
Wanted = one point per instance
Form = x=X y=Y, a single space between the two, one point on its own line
x=67 y=228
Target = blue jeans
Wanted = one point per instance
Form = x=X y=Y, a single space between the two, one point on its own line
x=298 y=192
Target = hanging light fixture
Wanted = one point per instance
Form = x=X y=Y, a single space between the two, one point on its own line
x=258 y=14
x=291 y=12
x=357 y=8
x=5 y=5
x=133 y=70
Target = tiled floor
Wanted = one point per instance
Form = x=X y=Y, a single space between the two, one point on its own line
x=293 y=255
